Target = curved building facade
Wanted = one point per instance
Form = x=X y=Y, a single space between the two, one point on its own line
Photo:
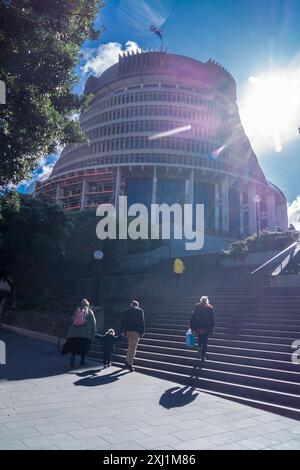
x=166 y=128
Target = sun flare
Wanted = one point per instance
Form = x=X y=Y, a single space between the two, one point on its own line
x=270 y=109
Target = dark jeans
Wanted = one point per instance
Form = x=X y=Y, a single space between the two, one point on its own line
x=106 y=358
x=202 y=343
x=177 y=277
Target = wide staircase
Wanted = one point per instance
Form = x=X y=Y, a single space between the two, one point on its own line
x=249 y=358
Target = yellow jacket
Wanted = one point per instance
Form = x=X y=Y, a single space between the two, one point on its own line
x=178 y=266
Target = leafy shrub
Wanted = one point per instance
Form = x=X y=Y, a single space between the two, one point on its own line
x=267 y=241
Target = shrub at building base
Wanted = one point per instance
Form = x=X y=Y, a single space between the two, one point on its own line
x=267 y=241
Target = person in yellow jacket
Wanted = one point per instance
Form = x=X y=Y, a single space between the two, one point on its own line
x=178 y=269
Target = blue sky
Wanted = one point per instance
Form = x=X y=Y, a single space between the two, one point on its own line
x=251 y=38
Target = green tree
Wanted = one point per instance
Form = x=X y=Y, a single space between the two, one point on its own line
x=39 y=45
x=31 y=241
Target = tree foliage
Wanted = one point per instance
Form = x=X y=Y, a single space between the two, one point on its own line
x=46 y=250
x=267 y=241
x=39 y=45
x=31 y=238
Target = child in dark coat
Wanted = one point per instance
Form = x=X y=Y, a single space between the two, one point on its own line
x=108 y=345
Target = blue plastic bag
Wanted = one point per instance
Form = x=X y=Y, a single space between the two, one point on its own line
x=190 y=339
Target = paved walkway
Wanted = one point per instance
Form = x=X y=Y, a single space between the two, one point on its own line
x=45 y=406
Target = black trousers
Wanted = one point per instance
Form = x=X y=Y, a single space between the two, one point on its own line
x=177 y=279
x=202 y=343
x=106 y=358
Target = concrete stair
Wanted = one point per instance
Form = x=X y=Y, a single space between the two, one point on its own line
x=249 y=356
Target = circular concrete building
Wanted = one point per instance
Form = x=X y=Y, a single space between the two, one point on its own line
x=165 y=128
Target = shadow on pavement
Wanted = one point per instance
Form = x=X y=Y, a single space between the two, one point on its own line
x=95 y=380
x=178 y=396
x=29 y=358
x=87 y=373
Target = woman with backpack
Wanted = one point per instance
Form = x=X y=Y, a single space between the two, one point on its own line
x=81 y=333
x=202 y=324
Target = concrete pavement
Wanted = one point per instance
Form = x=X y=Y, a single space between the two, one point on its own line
x=44 y=405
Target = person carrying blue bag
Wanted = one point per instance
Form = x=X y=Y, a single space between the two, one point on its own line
x=190 y=340
x=202 y=324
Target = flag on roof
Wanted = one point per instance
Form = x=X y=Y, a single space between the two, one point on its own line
x=156 y=31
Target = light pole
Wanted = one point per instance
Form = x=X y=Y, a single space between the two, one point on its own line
x=257 y=200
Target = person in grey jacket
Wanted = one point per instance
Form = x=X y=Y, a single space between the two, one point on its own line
x=133 y=326
x=80 y=334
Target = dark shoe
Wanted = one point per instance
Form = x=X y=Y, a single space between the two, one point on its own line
x=131 y=368
x=104 y=366
x=109 y=364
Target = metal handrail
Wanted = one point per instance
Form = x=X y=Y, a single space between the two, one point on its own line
x=293 y=245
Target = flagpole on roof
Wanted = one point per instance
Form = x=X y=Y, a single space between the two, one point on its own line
x=160 y=33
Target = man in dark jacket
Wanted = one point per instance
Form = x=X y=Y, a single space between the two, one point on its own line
x=202 y=324
x=133 y=326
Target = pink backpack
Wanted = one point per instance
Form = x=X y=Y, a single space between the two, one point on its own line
x=80 y=316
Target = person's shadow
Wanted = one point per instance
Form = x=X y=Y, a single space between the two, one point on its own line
x=93 y=380
x=88 y=373
x=178 y=396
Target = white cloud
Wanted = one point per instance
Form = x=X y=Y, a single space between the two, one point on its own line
x=100 y=59
x=294 y=213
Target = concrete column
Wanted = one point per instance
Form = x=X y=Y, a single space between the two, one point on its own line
x=225 y=205
x=117 y=188
x=252 y=208
x=271 y=212
x=217 y=207
x=154 y=187
x=82 y=199
x=189 y=189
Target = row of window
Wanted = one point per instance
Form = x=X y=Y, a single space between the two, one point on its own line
x=71 y=203
x=144 y=111
x=99 y=199
x=153 y=126
x=142 y=142
x=93 y=187
x=71 y=191
x=162 y=96
x=75 y=204
x=148 y=158
x=101 y=187
x=104 y=187
x=75 y=179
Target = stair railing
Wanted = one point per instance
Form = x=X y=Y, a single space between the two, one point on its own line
x=271 y=260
